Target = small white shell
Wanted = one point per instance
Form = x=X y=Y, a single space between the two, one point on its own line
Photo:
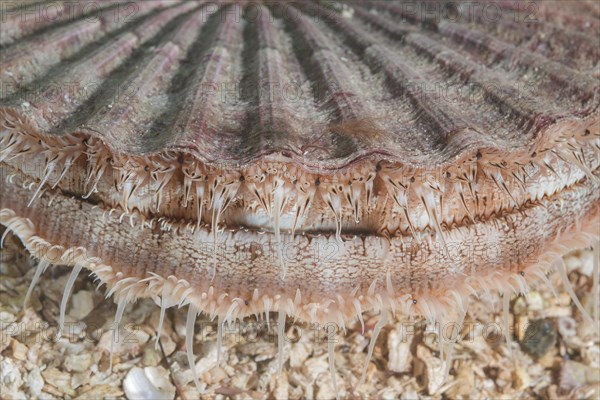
x=148 y=383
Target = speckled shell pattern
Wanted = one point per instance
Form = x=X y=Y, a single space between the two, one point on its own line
x=420 y=83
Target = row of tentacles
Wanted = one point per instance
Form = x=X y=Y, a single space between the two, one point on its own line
x=205 y=192
x=171 y=292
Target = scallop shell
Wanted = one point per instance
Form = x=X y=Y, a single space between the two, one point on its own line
x=321 y=88
x=213 y=154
